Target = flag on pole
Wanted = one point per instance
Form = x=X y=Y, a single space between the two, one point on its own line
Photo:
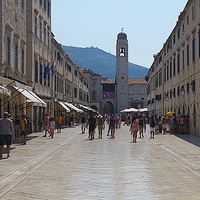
x=53 y=68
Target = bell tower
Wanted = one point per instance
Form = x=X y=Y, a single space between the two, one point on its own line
x=122 y=71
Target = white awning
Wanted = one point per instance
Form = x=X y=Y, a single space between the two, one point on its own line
x=64 y=106
x=88 y=108
x=5 y=91
x=37 y=97
x=7 y=81
x=73 y=107
x=31 y=97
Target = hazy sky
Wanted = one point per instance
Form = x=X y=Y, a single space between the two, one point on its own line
x=147 y=23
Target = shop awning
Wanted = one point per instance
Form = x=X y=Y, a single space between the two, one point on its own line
x=73 y=107
x=88 y=108
x=64 y=106
x=31 y=97
x=6 y=81
x=5 y=91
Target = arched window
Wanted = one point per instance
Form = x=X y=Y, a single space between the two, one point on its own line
x=122 y=52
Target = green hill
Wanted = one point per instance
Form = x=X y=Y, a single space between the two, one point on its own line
x=101 y=62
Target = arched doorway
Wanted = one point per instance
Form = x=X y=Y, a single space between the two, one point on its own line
x=108 y=108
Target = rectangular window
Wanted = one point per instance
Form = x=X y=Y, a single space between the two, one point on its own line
x=188 y=55
x=183 y=28
x=69 y=68
x=199 y=42
x=108 y=88
x=45 y=34
x=41 y=72
x=183 y=59
x=193 y=49
x=167 y=72
x=48 y=77
x=187 y=19
x=178 y=33
x=75 y=92
x=22 y=61
x=48 y=37
x=48 y=8
x=178 y=62
x=193 y=12
x=41 y=2
x=174 y=92
x=8 y=50
x=45 y=5
x=165 y=78
x=36 y=70
x=174 y=66
x=55 y=83
x=188 y=87
x=16 y=56
x=174 y=39
x=35 y=22
x=22 y=1
x=170 y=70
x=40 y=29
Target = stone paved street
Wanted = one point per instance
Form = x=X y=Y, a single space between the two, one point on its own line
x=74 y=168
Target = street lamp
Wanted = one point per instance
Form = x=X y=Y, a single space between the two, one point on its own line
x=166 y=97
x=182 y=90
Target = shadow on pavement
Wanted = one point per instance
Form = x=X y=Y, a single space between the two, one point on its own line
x=193 y=139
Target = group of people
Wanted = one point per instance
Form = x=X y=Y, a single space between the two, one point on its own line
x=11 y=130
x=98 y=121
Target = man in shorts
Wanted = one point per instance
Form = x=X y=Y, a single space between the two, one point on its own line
x=6 y=134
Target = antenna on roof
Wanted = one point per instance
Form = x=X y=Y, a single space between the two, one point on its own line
x=122 y=29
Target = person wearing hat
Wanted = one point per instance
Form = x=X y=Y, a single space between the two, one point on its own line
x=6 y=134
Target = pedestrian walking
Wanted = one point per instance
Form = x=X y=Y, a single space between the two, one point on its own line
x=46 y=124
x=134 y=128
x=141 y=126
x=6 y=134
x=112 y=126
x=152 y=123
x=100 y=122
x=59 y=123
x=83 y=123
x=92 y=123
x=156 y=125
x=52 y=126
x=24 y=129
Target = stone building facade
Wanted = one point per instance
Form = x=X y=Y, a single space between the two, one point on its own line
x=173 y=79
x=35 y=72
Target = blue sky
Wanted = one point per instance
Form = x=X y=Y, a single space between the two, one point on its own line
x=147 y=23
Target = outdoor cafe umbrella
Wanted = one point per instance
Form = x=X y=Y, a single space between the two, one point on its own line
x=170 y=113
x=130 y=110
x=143 y=110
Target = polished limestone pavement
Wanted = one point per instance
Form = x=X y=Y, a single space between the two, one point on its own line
x=72 y=167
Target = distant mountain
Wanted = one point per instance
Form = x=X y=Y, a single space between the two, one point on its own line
x=101 y=62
